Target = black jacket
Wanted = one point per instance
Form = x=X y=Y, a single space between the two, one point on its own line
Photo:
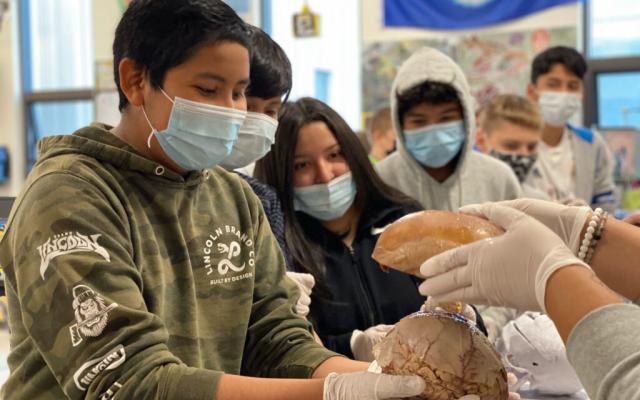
x=360 y=294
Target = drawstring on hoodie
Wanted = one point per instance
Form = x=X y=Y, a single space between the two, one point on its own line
x=460 y=203
x=149 y=139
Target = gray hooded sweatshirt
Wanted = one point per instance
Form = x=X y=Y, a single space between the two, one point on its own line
x=477 y=178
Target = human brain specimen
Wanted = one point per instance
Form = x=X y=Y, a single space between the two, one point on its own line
x=410 y=241
x=448 y=352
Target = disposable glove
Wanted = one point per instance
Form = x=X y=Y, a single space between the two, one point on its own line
x=362 y=342
x=305 y=283
x=572 y=201
x=510 y=270
x=565 y=221
x=373 y=386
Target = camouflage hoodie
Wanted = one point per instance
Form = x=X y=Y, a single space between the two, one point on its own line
x=126 y=278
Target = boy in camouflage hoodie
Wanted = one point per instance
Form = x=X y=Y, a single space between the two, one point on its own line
x=133 y=269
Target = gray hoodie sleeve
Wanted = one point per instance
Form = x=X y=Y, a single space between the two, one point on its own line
x=513 y=190
x=604 y=348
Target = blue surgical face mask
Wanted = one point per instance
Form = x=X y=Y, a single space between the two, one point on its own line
x=326 y=201
x=198 y=135
x=255 y=138
x=435 y=145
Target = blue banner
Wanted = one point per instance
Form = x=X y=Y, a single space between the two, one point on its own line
x=460 y=14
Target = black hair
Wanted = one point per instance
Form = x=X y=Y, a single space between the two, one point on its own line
x=567 y=56
x=428 y=92
x=161 y=34
x=270 y=67
x=276 y=169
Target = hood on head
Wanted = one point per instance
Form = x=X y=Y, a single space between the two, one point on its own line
x=428 y=64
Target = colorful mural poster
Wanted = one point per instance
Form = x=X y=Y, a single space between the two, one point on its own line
x=494 y=64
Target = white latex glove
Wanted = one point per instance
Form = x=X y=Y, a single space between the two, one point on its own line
x=362 y=342
x=510 y=270
x=305 y=283
x=512 y=381
x=572 y=201
x=565 y=221
x=369 y=385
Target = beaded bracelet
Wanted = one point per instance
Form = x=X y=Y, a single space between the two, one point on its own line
x=594 y=227
x=596 y=237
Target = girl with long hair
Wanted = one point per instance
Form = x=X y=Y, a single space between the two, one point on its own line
x=335 y=206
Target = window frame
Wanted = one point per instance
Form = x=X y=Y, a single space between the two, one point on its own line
x=596 y=66
x=30 y=96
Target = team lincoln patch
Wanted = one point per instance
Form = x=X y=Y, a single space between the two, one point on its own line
x=91 y=312
x=67 y=243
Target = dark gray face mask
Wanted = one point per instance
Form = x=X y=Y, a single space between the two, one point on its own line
x=521 y=165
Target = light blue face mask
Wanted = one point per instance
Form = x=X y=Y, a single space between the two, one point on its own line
x=326 y=201
x=255 y=138
x=435 y=145
x=198 y=135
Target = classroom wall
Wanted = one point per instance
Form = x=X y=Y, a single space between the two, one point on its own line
x=336 y=51
x=106 y=15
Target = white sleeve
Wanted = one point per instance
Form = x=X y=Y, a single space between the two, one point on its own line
x=603 y=186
